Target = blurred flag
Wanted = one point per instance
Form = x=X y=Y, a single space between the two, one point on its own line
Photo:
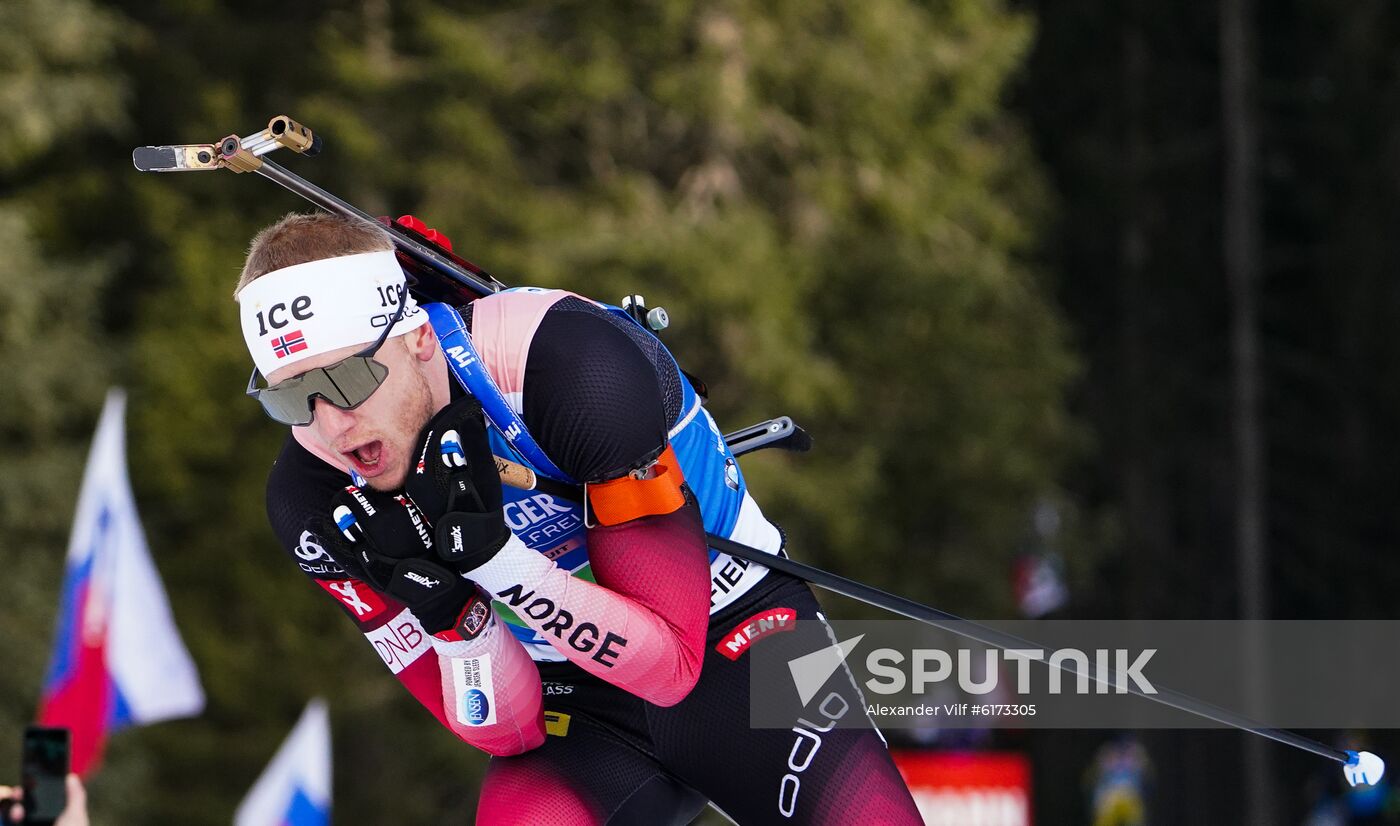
x=1040 y=584
x=295 y=789
x=118 y=659
x=1040 y=570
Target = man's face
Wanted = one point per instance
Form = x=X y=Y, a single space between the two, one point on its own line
x=378 y=439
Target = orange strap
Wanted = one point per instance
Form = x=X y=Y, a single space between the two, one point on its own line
x=628 y=498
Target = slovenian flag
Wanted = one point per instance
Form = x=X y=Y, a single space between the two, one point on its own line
x=118 y=659
x=295 y=788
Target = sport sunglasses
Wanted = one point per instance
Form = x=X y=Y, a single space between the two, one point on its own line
x=347 y=384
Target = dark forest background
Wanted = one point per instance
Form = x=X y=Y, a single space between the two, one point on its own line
x=1129 y=262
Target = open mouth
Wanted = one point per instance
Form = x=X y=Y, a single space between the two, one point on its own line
x=366 y=457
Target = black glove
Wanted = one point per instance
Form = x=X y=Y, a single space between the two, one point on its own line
x=457 y=487
x=384 y=540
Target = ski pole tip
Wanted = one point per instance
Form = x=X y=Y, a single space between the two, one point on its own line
x=1363 y=768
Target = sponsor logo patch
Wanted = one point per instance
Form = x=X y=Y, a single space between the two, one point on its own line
x=544 y=522
x=400 y=641
x=476 y=708
x=421 y=580
x=312 y=558
x=356 y=596
x=360 y=497
x=476 y=696
x=601 y=645
x=423 y=458
x=417 y=520
x=461 y=356
x=764 y=623
x=309 y=547
x=474 y=618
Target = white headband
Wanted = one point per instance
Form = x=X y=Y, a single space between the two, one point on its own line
x=309 y=309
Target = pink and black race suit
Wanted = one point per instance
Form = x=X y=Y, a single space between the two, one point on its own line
x=625 y=625
x=507 y=335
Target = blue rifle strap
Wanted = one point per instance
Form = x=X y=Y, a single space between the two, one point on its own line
x=465 y=364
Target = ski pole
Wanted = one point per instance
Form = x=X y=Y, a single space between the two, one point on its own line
x=1359 y=767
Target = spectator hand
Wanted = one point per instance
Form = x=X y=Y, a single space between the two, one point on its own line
x=74 y=814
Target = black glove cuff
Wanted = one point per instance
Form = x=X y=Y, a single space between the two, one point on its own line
x=433 y=592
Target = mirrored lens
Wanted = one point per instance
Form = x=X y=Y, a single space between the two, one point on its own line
x=347 y=384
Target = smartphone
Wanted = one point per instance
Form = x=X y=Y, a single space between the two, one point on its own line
x=43 y=768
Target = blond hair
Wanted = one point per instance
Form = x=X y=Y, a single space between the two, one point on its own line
x=298 y=238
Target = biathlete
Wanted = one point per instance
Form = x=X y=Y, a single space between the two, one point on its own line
x=598 y=652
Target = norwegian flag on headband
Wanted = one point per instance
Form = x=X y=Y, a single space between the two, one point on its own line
x=293 y=342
